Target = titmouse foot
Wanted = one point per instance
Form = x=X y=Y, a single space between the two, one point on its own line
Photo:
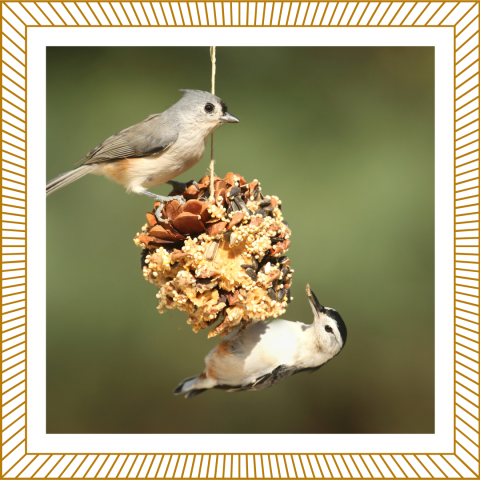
x=162 y=200
x=180 y=186
x=158 y=214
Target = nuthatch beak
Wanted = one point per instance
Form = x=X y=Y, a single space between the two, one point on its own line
x=317 y=307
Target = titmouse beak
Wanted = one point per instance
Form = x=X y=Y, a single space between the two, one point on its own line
x=317 y=308
x=228 y=118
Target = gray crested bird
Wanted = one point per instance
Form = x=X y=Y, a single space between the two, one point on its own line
x=157 y=149
x=264 y=354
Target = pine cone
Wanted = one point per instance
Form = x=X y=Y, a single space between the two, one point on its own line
x=220 y=260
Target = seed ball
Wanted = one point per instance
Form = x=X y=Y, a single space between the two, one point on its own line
x=197 y=267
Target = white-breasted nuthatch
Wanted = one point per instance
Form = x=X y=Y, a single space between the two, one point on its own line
x=267 y=353
x=156 y=150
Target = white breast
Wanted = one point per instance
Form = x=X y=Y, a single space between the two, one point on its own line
x=164 y=166
x=261 y=348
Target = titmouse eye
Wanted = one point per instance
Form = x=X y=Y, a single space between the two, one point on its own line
x=209 y=108
x=328 y=328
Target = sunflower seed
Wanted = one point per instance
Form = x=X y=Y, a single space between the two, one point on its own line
x=289 y=297
x=276 y=240
x=281 y=293
x=234 y=191
x=240 y=204
x=271 y=293
x=245 y=266
x=251 y=273
x=261 y=212
x=255 y=263
x=211 y=251
x=269 y=209
x=284 y=273
x=243 y=206
x=265 y=203
x=285 y=223
x=282 y=260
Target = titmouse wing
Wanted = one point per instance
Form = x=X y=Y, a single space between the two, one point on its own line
x=141 y=140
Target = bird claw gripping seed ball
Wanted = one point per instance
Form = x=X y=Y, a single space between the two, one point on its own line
x=220 y=260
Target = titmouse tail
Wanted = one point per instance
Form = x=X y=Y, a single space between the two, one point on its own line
x=188 y=387
x=68 y=177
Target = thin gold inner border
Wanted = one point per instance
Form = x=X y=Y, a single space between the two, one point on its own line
x=462 y=17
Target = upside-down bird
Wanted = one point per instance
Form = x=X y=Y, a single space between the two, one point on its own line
x=267 y=353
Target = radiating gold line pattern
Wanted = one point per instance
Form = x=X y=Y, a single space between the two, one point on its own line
x=462 y=461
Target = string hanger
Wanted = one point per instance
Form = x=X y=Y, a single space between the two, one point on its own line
x=212 y=161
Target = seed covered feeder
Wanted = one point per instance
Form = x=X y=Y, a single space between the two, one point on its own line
x=220 y=259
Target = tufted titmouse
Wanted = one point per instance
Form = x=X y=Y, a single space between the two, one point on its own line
x=156 y=150
x=267 y=353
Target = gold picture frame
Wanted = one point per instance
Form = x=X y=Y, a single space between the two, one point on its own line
x=460 y=18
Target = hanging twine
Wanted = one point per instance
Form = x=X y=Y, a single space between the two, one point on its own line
x=212 y=161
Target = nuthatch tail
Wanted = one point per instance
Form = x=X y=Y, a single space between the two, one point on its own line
x=156 y=150
x=267 y=353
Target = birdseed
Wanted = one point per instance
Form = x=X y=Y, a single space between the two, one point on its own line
x=223 y=262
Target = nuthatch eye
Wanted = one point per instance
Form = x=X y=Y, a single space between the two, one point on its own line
x=267 y=353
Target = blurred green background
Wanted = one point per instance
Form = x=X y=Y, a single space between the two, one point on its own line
x=345 y=137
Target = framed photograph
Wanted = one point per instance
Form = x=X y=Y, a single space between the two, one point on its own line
x=359 y=120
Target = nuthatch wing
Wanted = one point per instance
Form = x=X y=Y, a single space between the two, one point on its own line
x=267 y=353
x=156 y=150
